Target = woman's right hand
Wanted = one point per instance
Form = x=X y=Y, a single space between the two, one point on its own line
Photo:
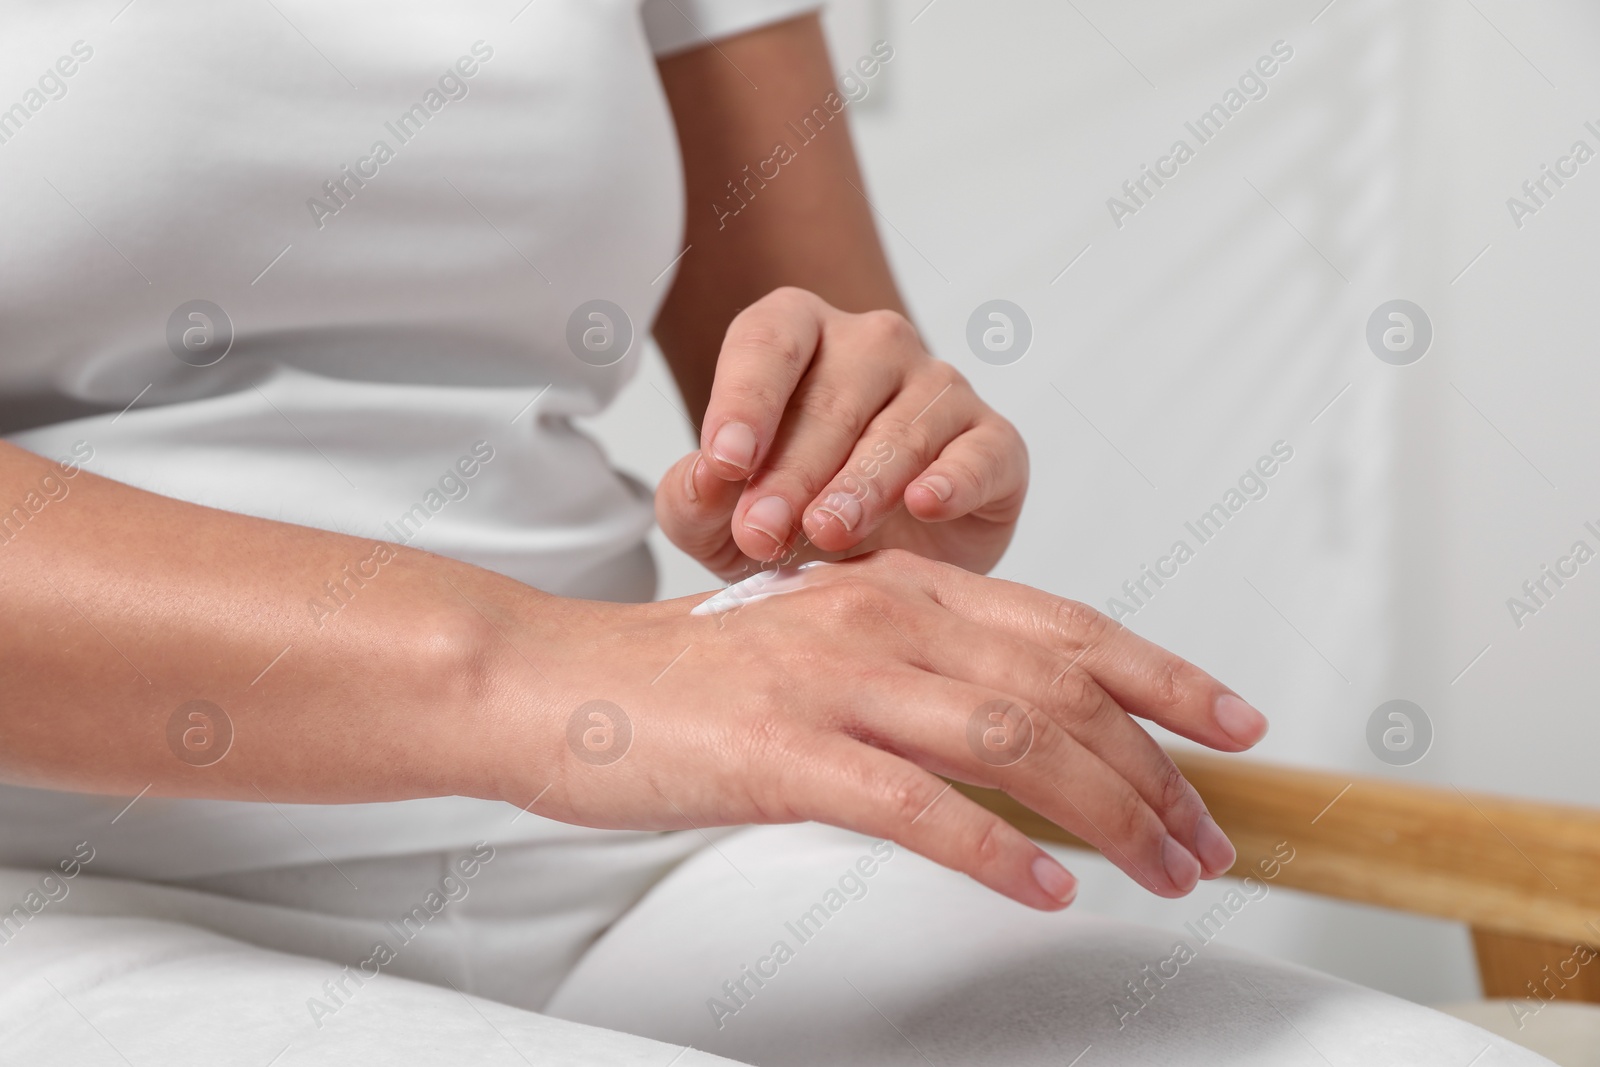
x=842 y=702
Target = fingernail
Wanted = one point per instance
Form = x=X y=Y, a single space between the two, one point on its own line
x=735 y=445
x=689 y=488
x=841 y=506
x=1239 y=720
x=939 y=486
x=771 y=515
x=1054 y=879
x=1182 y=867
x=1216 y=851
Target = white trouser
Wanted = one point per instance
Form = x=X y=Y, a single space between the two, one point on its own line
x=885 y=959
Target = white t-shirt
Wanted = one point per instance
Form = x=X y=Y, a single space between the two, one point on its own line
x=316 y=261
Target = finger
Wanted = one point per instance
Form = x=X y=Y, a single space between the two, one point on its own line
x=768 y=347
x=1079 y=705
x=693 y=508
x=873 y=792
x=861 y=370
x=1047 y=768
x=983 y=473
x=866 y=486
x=1143 y=677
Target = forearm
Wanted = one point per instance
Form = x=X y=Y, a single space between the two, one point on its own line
x=810 y=226
x=349 y=670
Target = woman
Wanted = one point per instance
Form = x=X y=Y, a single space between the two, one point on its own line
x=307 y=560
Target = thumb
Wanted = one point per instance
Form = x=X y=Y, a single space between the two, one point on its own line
x=694 y=508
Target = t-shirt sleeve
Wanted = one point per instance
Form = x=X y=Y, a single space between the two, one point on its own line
x=679 y=25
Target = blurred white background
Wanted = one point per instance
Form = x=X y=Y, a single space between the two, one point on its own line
x=1229 y=313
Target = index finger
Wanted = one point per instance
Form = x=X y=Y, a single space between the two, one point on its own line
x=768 y=347
x=1140 y=675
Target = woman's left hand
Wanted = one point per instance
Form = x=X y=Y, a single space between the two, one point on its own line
x=830 y=434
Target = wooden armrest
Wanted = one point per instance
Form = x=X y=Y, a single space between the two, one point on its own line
x=1505 y=867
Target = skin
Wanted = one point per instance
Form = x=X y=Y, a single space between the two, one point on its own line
x=842 y=702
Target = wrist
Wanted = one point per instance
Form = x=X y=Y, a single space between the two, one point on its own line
x=521 y=679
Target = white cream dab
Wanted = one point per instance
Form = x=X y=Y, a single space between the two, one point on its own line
x=757 y=587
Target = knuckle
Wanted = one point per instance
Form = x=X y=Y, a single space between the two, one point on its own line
x=999 y=449
x=764 y=339
x=1079 y=622
x=1054 y=745
x=1132 y=819
x=1172 y=789
x=1167 y=688
x=990 y=461
x=906 y=796
x=887 y=328
x=993 y=452
x=960 y=468
x=787 y=298
x=945 y=375
x=850 y=606
x=1051 y=740
x=849 y=596
x=825 y=402
x=896 y=565
x=989 y=846
x=889 y=616
x=750 y=399
x=1074 y=691
x=916 y=437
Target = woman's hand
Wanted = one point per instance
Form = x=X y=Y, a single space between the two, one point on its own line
x=821 y=425
x=843 y=700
